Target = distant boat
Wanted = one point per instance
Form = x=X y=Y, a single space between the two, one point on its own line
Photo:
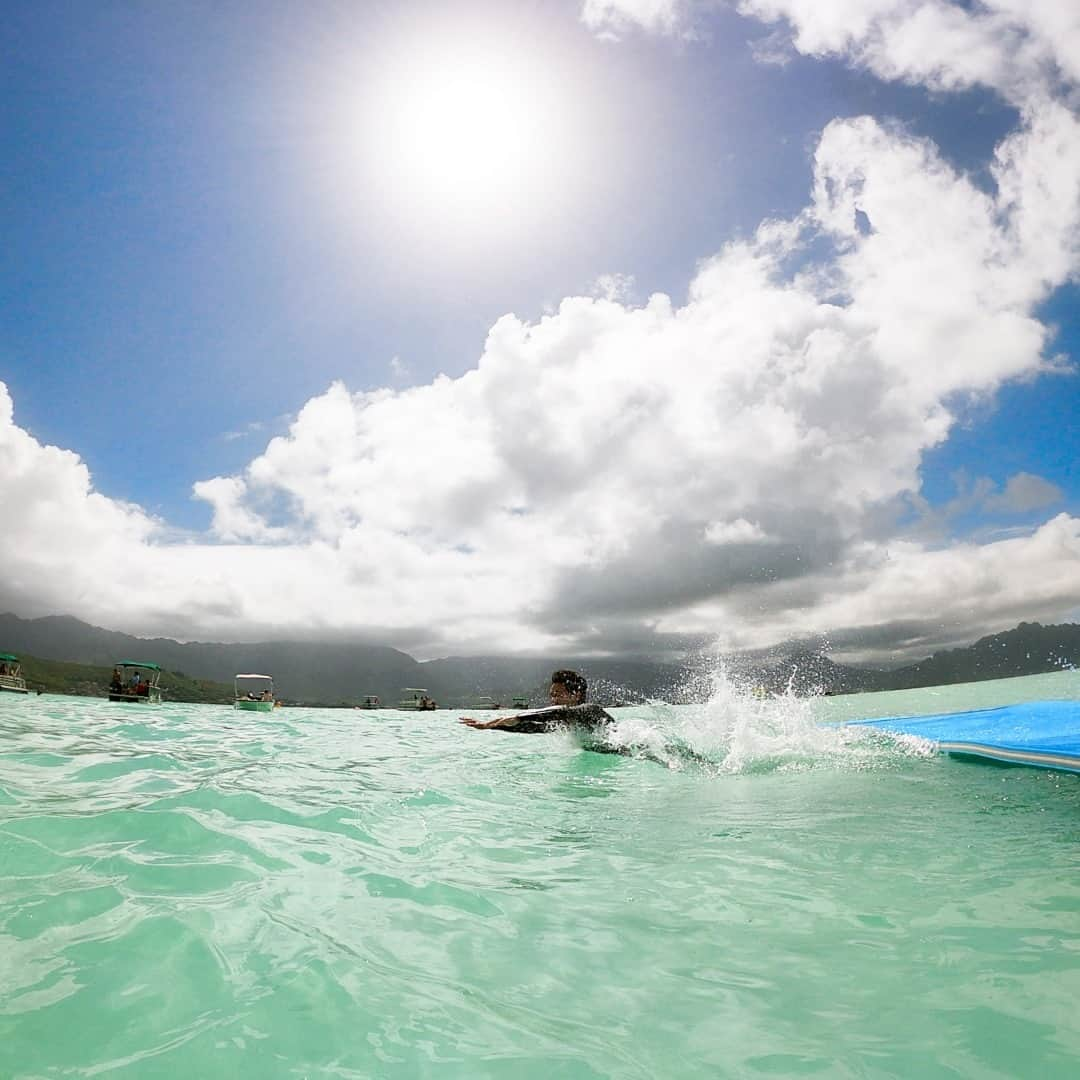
x=520 y=701
x=11 y=678
x=140 y=687
x=253 y=693
x=371 y=701
x=417 y=701
x=484 y=702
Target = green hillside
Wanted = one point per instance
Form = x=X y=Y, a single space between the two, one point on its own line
x=91 y=680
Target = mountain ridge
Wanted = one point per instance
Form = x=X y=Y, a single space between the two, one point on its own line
x=343 y=673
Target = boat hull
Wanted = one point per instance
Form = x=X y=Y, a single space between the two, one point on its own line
x=253 y=706
x=153 y=698
x=13 y=689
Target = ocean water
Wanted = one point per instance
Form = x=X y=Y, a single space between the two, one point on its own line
x=187 y=891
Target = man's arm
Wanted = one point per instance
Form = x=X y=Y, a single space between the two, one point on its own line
x=528 y=723
x=498 y=722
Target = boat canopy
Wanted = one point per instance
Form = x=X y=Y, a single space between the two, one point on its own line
x=414 y=689
x=138 y=663
x=270 y=677
x=7 y=656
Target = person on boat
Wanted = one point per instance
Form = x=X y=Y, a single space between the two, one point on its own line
x=142 y=689
x=117 y=683
x=136 y=678
x=266 y=696
x=569 y=709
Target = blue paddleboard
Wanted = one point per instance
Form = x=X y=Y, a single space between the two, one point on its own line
x=1042 y=733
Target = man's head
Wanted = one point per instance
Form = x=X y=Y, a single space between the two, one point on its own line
x=567 y=688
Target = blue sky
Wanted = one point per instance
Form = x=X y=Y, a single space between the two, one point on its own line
x=199 y=242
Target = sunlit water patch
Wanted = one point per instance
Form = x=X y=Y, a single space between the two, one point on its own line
x=189 y=891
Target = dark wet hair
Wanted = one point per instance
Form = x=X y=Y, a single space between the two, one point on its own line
x=573 y=682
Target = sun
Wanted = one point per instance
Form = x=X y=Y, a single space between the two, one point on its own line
x=464 y=132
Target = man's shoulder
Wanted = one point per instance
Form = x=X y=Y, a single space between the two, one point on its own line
x=586 y=713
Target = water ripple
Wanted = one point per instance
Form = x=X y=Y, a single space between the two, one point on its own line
x=190 y=891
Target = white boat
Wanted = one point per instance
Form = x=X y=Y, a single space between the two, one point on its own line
x=136 y=682
x=416 y=701
x=253 y=693
x=11 y=678
x=484 y=702
x=371 y=701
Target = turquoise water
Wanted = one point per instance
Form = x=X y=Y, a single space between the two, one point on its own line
x=186 y=891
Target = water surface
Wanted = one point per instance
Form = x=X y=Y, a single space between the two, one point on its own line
x=191 y=891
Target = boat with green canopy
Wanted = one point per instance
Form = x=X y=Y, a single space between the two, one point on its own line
x=253 y=693
x=11 y=678
x=136 y=682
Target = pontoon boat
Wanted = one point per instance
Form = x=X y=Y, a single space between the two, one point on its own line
x=11 y=678
x=136 y=682
x=253 y=693
x=417 y=701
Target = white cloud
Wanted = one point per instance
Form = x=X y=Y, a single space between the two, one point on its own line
x=739 y=531
x=614 y=287
x=1022 y=48
x=951 y=594
x=58 y=534
x=619 y=472
x=250 y=428
x=582 y=474
x=613 y=18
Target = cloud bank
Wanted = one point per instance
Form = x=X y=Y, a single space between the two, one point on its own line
x=741 y=466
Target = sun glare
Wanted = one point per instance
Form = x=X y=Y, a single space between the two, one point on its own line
x=464 y=133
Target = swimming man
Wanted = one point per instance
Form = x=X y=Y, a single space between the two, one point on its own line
x=569 y=709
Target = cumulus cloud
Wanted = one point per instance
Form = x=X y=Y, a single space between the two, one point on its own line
x=1023 y=48
x=54 y=523
x=620 y=475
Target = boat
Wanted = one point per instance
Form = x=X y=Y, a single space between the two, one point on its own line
x=253 y=693
x=370 y=701
x=417 y=701
x=519 y=701
x=11 y=678
x=484 y=702
x=136 y=682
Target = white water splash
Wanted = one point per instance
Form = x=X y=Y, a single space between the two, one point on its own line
x=741 y=730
